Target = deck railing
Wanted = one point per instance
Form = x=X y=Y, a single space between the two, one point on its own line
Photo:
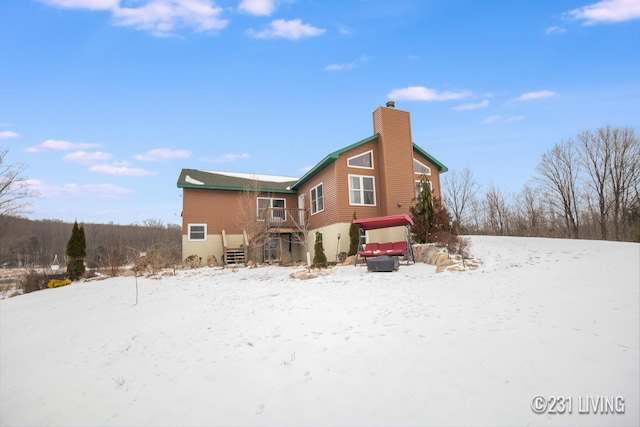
x=278 y=220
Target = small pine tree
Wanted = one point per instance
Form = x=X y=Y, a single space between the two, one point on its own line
x=76 y=251
x=319 y=258
x=354 y=237
x=422 y=212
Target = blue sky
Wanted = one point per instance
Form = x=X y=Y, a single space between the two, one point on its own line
x=106 y=101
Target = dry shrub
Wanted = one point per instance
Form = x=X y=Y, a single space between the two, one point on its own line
x=32 y=281
x=453 y=243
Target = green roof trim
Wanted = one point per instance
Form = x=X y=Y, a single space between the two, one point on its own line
x=330 y=158
x=206 y=180
x=441 y=168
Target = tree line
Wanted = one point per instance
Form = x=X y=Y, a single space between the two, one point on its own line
x=39 y=243
x=585 y=187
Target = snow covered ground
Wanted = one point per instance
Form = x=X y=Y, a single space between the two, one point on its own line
x=557 y=318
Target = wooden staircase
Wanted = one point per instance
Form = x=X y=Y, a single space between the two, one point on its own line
x=234 y=256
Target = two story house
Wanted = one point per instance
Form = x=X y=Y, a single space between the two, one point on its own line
x=237 y=217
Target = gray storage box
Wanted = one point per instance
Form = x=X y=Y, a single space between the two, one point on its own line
x=383 y=263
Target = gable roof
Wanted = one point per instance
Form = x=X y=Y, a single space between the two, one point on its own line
x=211 y=180
x=441 y=168
x=330 y=158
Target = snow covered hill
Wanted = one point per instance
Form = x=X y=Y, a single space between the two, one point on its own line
x=556 y=318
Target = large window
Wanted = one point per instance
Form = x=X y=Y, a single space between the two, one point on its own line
x=317 y=199
x=421 y=169
x=276 y=209
x=362 y=190
x=364 y=160
x=197 y=232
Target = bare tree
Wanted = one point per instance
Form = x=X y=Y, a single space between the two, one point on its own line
x=595 y=155
x=14 y=189
x=459 y=191
x=625 y=176
x=498 y=210
x=558 y=173
x=529 y=211
x=246 y=219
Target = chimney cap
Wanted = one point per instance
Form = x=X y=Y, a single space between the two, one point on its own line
x=391 y=104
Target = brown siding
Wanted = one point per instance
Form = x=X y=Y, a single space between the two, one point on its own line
x=346 y=210
x=222 y=210
x=329 y=216
x=396 y=154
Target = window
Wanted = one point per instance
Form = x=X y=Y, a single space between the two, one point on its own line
x=317 y=199
x=364 y=160
x=421 y=169
x=197 y=232
x=362 y=190
x=274 y=207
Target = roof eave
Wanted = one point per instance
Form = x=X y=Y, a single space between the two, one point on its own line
x=215 y=187
x=441 y=167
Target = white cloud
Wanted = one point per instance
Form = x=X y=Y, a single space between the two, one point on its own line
x=84 y=157
x=292 y=30
x=349 y=66
x=163 y=17
x=556 y=30
x=607 y=11
x=258 y=7
x=475 y=106
x=421 y=93
x=83 y=4
x=78 y=191
x=58 y=145
x=8 y=134
x=162 y=154
x=231 y=157
x=502 y=119
x=535 y=95
x=118 y=170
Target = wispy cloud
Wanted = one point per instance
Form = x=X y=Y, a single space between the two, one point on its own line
x=501 y=119
x=83 y=4
x=343 y=30
x=421 y=93
x=231 y=157
x=162 y=154
x=85 y=158
x=292 y=30
x=472 y=106
x=8 y=134
x=164 y=17
x=554 y=29
x=48 y=191
x=159 y=17
x=607 y=11
x=59 y=145
x=535 y=95
x=258 y=7
x=348 y=66
x=119 y=170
